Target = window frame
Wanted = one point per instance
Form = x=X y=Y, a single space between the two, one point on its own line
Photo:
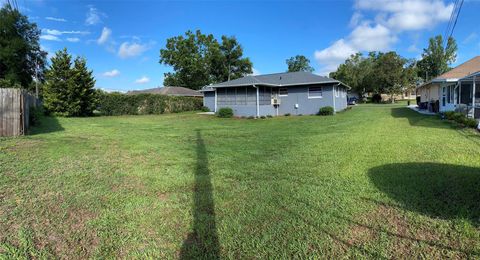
x=282 y=95
x=312 y=97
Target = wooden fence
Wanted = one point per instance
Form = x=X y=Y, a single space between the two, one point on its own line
x=14 y=111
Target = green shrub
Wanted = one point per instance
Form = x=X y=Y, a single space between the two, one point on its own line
x=225 y=112
x=251 y=117
x=300 y=115
x=205 y=109
x=269 y=116
x=263 y=117
x=461 y=119
x=287 y=114
x=113 y=104
x=326 y=111
x=470 y=122
x=449 y=115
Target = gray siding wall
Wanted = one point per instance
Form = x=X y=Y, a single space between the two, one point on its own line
x=341 y=100
x=209 y=100
x=306 y=106
x=296 y=95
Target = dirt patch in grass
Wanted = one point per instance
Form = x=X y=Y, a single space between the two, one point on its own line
x=406 y=238
x=69 y=238
x=22 y=145
x=360 y=235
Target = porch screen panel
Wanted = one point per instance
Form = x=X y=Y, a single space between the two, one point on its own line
x=221 y=96
x=230 y=96
x=251 y=96
x=265 y=96
x=241 y=96
x=466 y=97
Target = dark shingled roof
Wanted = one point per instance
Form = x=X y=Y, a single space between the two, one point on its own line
x=276 y=80
x=169 y=91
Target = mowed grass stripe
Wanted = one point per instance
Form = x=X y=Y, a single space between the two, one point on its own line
x=377 y=181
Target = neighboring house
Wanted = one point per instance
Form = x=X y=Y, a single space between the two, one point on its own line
x=444 y=93
x=168 y=91
x=277 y=94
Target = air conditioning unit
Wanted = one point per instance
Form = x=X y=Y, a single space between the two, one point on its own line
x=275 y=101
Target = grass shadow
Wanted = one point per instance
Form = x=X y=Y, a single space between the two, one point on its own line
x=202 y=242
x=437 y=190
x=47 y=124
x=417 y=119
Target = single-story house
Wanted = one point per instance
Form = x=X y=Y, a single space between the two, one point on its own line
x=445 y=93
x=168 y=91
x=277 y=94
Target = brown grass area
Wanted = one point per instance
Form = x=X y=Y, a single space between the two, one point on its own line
x=405 y=238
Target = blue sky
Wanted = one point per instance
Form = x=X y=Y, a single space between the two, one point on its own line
x=121 y=39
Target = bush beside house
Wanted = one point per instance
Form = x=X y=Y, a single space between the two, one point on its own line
x=225 y=112
x=326 y=111
x=461 y=119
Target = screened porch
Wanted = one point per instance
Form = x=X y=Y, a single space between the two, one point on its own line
x=468 y=97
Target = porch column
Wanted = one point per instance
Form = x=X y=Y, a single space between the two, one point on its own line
x=215 y=109
x=258 y=101
x=473 y=97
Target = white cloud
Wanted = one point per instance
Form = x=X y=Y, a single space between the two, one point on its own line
x=334 y=55
x=55 y=19
x=112 y=73
x=49 y=37
x=128 y=50
x=104 y=36
x=413 y=48
x=58 y=33
x=371 y=38
x=390 y=18
x=93 y=16
x=407 y=15
x=142 y=80
x=356 y=18
x=73 y=39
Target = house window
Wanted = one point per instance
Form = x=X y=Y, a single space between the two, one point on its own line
x=314 y=92
x=283 y=91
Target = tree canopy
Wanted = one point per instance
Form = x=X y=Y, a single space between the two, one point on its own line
x=199 y=60
x=69 y=88
x=436 y=58
x=299 y=63
x=20 y=51
x=379 y=72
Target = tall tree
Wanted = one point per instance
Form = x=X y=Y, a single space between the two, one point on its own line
x=389 y=73
x=436 y=58
x=233 y=62
x=84 y=88
x=57 y=84
x=356 y=72
x=199 y=60
x=20 y=53
x=190 y=57
x=299 y=63
x=69 y=90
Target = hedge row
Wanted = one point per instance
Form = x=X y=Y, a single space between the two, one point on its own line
x=113 y=104
x=461 y=119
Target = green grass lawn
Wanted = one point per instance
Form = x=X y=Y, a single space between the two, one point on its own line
x=378 y=181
